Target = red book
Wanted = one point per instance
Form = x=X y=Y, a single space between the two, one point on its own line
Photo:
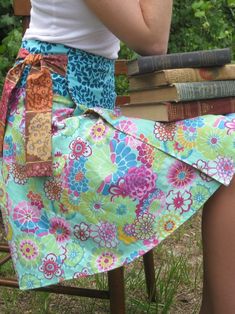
x=173 y=111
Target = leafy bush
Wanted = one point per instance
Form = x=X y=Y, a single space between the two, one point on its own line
x=10 y=36
x=202 y=24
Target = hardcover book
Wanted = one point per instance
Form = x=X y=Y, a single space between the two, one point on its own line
x=184 y=92
x=202 y=58
x=181 y=75
x=170 y=111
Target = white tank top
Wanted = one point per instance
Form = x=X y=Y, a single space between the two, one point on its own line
x=70 y=22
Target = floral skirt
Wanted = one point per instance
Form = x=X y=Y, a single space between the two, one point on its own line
x=84 y=189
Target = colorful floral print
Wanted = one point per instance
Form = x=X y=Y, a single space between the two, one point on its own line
x=119 y=186
x=180 y=175
x=26 y=216
x=50 y=267
x=60 y=228
x=74 y=254
x=29 y=251
x=30 y=281
x=79 y=148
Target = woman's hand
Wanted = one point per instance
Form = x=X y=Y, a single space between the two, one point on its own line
x=143 y=25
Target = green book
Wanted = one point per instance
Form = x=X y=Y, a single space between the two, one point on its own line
x=184 y=92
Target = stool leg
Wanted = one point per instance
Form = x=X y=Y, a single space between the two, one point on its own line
x=116 y=290
x=150 y=275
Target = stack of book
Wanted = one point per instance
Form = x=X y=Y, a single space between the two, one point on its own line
x=181 y=85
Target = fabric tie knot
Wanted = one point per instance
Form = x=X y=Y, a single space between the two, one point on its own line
x=33 y=59
x=38 y=107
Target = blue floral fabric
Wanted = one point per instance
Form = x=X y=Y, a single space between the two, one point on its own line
x=119 y=186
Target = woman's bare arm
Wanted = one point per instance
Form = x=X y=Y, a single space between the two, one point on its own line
x=143 y=25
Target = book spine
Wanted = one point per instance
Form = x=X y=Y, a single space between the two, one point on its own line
x=187 y=110
x=205 y=90
x=200 y=74
x=197 y=59
x=181 y=75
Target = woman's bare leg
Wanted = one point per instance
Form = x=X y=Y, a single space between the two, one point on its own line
x=218 y=236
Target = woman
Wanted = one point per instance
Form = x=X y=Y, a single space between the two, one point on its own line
x=87 y=190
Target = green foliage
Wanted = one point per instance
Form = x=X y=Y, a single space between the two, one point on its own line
x=8 y=50
x=126 y=53
x=203 y=24
x=10 y=36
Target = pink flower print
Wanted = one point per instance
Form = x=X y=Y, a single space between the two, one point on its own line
x=60 y=228
x=79 y=148
x=129 y=229
x=164 y=132
x=179 y=201
x=143 y=226
x=153 y=241
x=139 y=182
x=50 y=266
x=222 y=167
x=26 y=216
x=29 y=249
x=119 y=189
x=99 y=131
x=82 y=231
x=106 y=261
x=127 y=126
x=178 y=147
x=145 y=155
x=105 y=234
x=180 y=174
x=131 y=141
x=230 y=126
x=36 y=199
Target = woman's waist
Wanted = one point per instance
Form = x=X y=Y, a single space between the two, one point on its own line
x=88 y=78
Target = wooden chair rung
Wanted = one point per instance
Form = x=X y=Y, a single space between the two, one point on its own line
x=4 y=247
x=117 y=290
x=22 y=7
x=121 y=100
x=5 y=259
x=150 y=275
x=58 y=289
x=121 y=67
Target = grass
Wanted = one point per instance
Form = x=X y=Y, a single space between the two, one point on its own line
x=178 y=265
